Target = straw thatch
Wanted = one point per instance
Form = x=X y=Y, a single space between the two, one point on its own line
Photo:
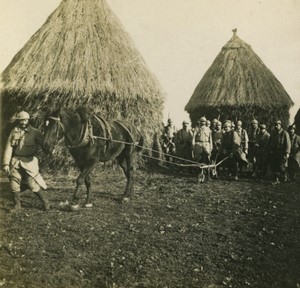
x=297 y=122
x=83 y=56
x=239 y=86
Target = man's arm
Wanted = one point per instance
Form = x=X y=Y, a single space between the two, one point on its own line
x=7 y=154
x=287 y=144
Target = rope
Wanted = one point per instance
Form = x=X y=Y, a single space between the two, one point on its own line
x=192 y=163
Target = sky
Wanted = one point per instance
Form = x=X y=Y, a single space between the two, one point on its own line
x=179 y=39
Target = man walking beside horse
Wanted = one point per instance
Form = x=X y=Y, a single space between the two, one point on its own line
x=20 y=162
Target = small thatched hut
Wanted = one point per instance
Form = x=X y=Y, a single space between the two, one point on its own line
x=83 y=56
x=239 y=86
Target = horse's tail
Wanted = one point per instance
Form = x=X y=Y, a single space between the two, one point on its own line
x=139 y=146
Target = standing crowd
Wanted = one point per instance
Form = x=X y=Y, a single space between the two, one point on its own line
x=210 y=142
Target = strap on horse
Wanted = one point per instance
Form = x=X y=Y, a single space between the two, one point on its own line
x=84 y=137
x=127 y=130
x=105 y=127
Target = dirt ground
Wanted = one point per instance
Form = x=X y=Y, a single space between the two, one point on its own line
x=174 y=232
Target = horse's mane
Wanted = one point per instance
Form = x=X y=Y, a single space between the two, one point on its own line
x=84 y=113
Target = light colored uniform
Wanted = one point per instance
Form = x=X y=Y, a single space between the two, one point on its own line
x=19 y=154
x=243 y=139
x=202 y=142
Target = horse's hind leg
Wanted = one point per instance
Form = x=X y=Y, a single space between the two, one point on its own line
x=126 y=164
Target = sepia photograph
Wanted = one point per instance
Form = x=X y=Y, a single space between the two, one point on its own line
x=148 y=143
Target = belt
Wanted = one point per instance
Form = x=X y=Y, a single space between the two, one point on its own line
x=24 y=156
x=202 y=141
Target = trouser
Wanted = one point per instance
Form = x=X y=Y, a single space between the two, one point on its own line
x=251 y=152
x=202 y=152
x=184 y=151
x=278 y=166
x=19 y=177
x=233 y=166
x=293 y=167
x=261 y=164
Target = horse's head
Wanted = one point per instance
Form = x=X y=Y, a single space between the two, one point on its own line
x=53 y=130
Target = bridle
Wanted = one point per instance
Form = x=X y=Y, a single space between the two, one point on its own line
x=57 y=119
x=83 y=138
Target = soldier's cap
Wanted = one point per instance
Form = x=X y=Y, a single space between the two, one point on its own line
x=254 y=121
x=169 y=120
x=227 y=124
x=185 y=123
x=202 y=119
x=239 y=123
x=293 y=126
x=262 y=126
x=277 y=122
x=23 y=115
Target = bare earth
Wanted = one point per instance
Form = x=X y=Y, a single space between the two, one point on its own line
x=173 y=233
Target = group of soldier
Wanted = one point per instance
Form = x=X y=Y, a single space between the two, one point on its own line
x=213 y=141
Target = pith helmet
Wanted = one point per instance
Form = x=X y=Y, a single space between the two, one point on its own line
x=277 y=122
x=185 y=123
x=202 y=119
x=254 y=121
x=23 y=115
x=215 y=121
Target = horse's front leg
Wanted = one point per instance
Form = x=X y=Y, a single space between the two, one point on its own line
x=79 y=183
x=83 y=178
x=88 y=202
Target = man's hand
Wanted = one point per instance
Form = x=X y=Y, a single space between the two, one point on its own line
x=6 y=169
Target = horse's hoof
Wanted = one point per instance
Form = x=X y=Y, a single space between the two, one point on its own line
x=75 y=207
x=88 y=205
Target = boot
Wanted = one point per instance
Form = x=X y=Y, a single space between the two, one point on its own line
x=42 y=196
x=17 y=202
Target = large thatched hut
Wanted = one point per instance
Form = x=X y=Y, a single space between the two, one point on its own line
x=239 y=86
x=82 y=56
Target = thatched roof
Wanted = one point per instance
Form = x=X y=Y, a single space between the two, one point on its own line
x=82 y=55
x=238 y=77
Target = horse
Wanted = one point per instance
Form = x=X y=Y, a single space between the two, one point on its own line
x=91 y=139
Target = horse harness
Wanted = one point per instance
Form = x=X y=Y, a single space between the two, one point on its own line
x=86 y=132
